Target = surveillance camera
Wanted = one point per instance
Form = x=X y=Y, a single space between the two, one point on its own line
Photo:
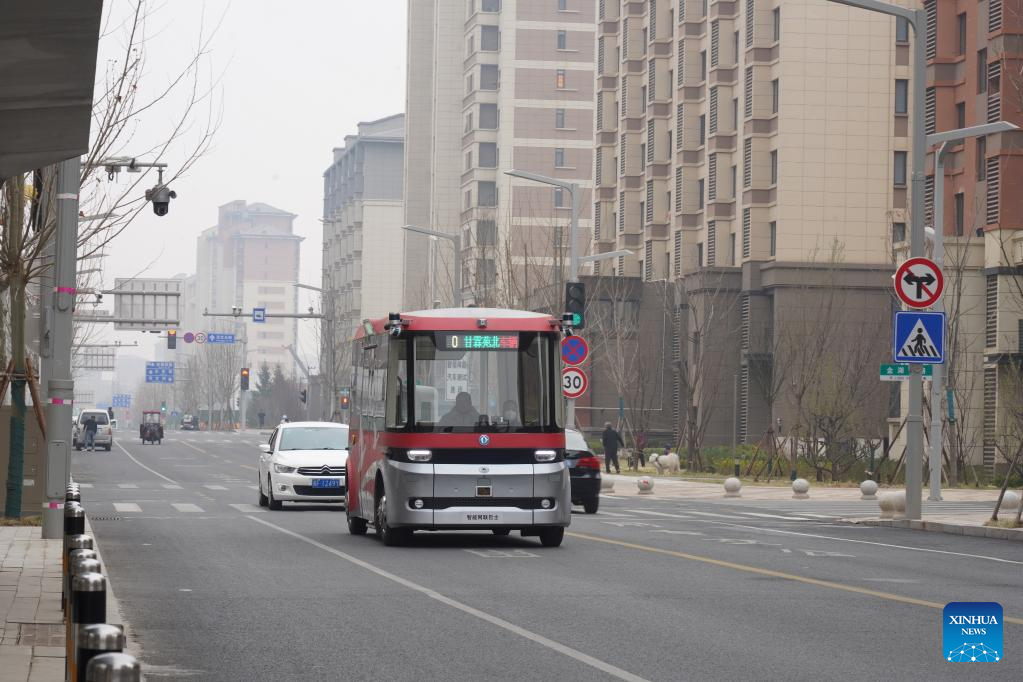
x=161 y=195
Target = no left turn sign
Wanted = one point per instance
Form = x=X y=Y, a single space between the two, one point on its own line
x=919 y=282
x=573 y=382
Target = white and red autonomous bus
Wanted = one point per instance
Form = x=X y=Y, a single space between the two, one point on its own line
x=457 y=423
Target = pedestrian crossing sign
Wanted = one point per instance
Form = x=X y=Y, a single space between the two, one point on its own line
x=919 y=338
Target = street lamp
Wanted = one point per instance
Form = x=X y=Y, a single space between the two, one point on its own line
x=608 y=255
x=943 y=140
x=572 y=189
x=456 y=244
x=917 y=19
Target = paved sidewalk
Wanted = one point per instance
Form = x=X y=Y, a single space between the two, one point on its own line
x=31 y=620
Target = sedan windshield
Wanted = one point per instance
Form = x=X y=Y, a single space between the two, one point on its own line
x=314 y=438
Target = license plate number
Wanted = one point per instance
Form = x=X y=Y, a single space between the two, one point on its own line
x=482 y=517
x=326 y=482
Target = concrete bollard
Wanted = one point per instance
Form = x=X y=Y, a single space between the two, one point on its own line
x=94 y=640
x=733 y=487
x=868 y=490
x=88 y=607
x=113 y=668
x=800 y=489
x=899 y=498
x=887 y=505
x=607 y=485
x=1010 y=500
x=645 y=485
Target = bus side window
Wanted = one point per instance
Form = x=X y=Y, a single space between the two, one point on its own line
x=397 y=386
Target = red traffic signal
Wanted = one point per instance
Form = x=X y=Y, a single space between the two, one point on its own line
x=245 y=378
x=344 y=402
x=172 y=339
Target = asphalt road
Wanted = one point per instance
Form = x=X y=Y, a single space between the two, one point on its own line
x=216 y=588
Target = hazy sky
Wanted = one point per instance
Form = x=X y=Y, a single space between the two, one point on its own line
x=296 y=77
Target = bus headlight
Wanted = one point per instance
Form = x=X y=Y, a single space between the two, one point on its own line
x=545 y=503
x=546 y=455
x=417 y=503
x=420 y=455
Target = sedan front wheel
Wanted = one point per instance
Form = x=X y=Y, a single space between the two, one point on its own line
x=275 y=505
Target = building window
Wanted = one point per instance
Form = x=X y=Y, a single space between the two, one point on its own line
x=468 y=122
x=489 y=117
x=960 y=213
x=488 y=154
x=773 y=226
x=468 y=160
x=981 y=158
x=699 y=188
x=559 y=197
x=774 y=166
x=982 y=71
x=486 y=192
x=961 y=28
x=559 y=157
x=703 y=65
x=699 y=254
x=776 y=22
x=562 y=5
x=559 y=118
x=703 y=128
x=559 y=79
x=562 y=40
x=490 y=39
x=735 y=187
x=901 y=30
x=900 y=169
x=901 y=96
x=491 y=6
x=490 y=77
x=960 y=114
x=898 y=232
x=731 y=248
x=774 y=96
x=469 y=84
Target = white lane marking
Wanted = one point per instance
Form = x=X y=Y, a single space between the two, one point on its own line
x=678 y=532
x=172 y=486
x=247 y=508
x=819 y=516
x=169 y=480
x=85 y=486
x=184 y=589
x=186 y=507
x=720 y=516
x=868 y=542
x=607 y=513
x=246 y=466
x=657 y=513
x=126 y=507
x=197 y=449
x=778 y=516
x=126 y=485
x=579 y=656
x=253 y=487
x=215 y=487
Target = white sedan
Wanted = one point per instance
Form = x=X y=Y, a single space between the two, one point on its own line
x=304 y=462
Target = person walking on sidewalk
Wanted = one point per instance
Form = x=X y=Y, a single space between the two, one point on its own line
x=611 y=439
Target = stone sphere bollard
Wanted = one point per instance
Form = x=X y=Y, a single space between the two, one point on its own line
x=868 y=490
x=899 y=499
x=645 y=485
x=733 y=486
x=800 y=489
x=887 y=504
x=1010 y=500
x=607 y=485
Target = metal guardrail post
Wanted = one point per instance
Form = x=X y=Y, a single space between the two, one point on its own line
x=113 y=668
x=88 y=607
x=72 y=543
x=94 y=640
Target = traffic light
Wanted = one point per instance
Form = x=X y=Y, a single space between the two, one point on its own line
x=302 y=395
x=245 y=378
x=575 y=303
x=172 y=339
x=345 y=400
x=163 y=406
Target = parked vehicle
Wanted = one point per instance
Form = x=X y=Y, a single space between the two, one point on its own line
x=457 y=425
x=583 y=470
x=151 y=428
x=104 y=437
x=304 y=462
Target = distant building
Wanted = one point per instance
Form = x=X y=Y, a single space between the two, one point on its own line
x=363 y=212
x=249 y=259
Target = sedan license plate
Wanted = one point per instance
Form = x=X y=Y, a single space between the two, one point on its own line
x=326 y=482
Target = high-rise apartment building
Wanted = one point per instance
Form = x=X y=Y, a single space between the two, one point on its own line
x=249 y=259
x=755 y=152
x=975 y=57
x=518 y=74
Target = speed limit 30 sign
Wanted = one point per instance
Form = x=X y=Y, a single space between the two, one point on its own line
x=573 y=382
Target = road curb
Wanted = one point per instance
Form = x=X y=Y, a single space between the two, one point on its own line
x=1013 y=534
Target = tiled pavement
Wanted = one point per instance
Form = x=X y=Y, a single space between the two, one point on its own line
x=31 y=621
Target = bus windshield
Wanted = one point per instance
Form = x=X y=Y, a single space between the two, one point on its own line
x=484 y=381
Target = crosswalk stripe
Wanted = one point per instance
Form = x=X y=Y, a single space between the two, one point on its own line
x=778 y=516
x=126 y=485
x=657 y=513
x=186 y=507
x=171 y=486
x=720 y=516
x=126 y=507
x=215 y=487
x=248 y=508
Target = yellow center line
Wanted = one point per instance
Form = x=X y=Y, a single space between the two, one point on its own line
x=773 y=574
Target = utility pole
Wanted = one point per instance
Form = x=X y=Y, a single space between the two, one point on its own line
x=60 y=388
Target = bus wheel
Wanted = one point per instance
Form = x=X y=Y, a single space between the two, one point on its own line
x=392 y=537
x=356 y=525
x=552 y=537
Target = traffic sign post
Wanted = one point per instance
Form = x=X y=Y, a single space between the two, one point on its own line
x=901 y=372
x=919 y=282
x=574 y=350
x=919 y=338
x=259 y=315
x=159 y=372
x=218 y=337
x=573 y=382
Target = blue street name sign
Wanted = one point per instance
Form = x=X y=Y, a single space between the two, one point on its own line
x=214 y=337
x=159 y=372
x=259 y=314
x=919 y=338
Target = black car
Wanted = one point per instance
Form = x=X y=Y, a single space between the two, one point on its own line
x=583 y=470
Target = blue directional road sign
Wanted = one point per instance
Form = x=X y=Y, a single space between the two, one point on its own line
x=215 y=337
x=919 y=338
x=259 y=314
x=122 y=400
x=159 y=372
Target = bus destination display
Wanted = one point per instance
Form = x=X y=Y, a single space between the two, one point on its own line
x=480 y=341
